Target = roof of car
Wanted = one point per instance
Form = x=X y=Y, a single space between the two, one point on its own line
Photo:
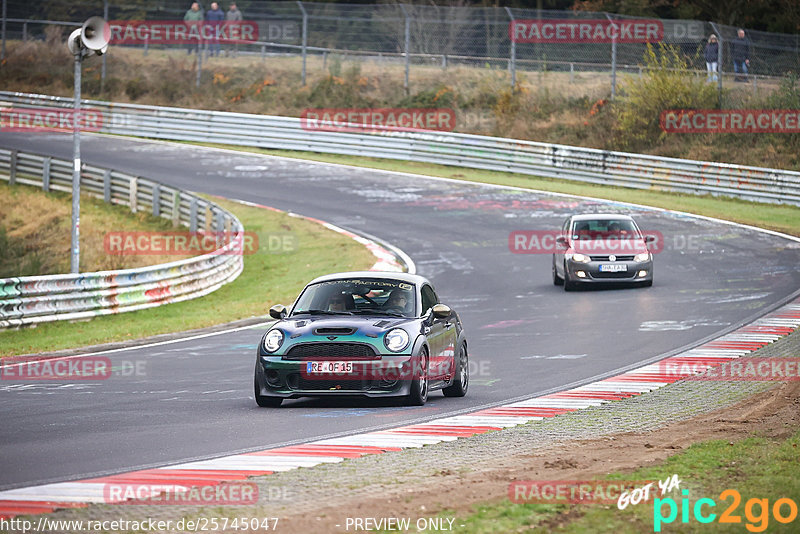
x=599 y=216
x=405 y=277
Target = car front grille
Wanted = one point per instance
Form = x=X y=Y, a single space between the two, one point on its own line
x=620 y=275
x=331 y=351
x=298 y=381
x=626 y=257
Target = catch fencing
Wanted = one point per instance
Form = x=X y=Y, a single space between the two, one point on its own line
x=29 y=300
x=446 y=148
x=412 y=35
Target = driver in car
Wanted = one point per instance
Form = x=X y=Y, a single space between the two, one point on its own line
x=337 y=303
x=398 y=299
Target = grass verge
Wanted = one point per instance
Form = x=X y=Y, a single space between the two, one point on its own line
x=781 y=218
x=269 y=277
x=757 y=468
x=35 y=229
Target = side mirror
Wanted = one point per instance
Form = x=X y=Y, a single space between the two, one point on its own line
x=649 y=239
x=441 y=311
x=278 y=311
x=561 y=241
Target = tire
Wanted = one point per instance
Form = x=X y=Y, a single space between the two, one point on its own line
x=557 y=280
x=461 y=380
x=569 y=285
x=261 y=400
x=419 y=385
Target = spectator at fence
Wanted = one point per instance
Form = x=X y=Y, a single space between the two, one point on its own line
x=712 y=58
x=740 y=53
x=214 y=16
x=233 y=16
x=194 y=15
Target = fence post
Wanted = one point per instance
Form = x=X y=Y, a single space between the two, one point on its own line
x=24 y=32
x=512 y=62
x=176 y=209
x=46 y=175
x=12 y=169
x=133 y=194
x=3 y=49
x=305 y=37
x=613 y=60
x=227 y=230
x=107 y=186
x=199 y=64
x=719 y=65
x=156 y=199
x=193 y=215
x=103 y=66
x=407 y=44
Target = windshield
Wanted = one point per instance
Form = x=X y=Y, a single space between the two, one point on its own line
x=604 y=228
x=358 y=296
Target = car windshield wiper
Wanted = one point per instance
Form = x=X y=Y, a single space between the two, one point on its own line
x=378 y=312
x=323 y=312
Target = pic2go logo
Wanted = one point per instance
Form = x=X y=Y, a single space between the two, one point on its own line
x=758 y=521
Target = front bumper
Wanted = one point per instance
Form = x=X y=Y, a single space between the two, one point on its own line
x=387 y=376
x=590 y=272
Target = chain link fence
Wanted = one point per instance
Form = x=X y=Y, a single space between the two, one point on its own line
x=416 y=37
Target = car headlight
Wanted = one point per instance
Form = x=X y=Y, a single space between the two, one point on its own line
x=273 y=340
x=396 y=339
x=644 y=256
x=581 y=258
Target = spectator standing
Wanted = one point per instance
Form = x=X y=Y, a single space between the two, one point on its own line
x=193 y=16
x=740 y=53
x=712 y=58
x=233 y=16
x=214 y=16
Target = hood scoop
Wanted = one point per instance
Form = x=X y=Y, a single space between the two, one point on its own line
x=300 y=324
x=334 y=331
x=383 y=323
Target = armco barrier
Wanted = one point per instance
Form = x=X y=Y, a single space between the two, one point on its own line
x=35 y=299
x=462 y=150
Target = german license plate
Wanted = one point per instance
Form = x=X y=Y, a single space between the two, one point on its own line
x=613 y=267
x=329 y=367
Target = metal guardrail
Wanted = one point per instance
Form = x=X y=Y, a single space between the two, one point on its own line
x=461 y=150
x=29 y=300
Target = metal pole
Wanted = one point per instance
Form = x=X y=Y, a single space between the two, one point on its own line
x=103 y=66
x=719 y=65
x=76 y=170
x=513 y=62
x=3 y=49
x=407 y=43
x=199 y=64
x=305 y=38
x=613 y=62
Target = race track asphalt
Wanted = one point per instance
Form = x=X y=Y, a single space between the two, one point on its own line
x=193 y=399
